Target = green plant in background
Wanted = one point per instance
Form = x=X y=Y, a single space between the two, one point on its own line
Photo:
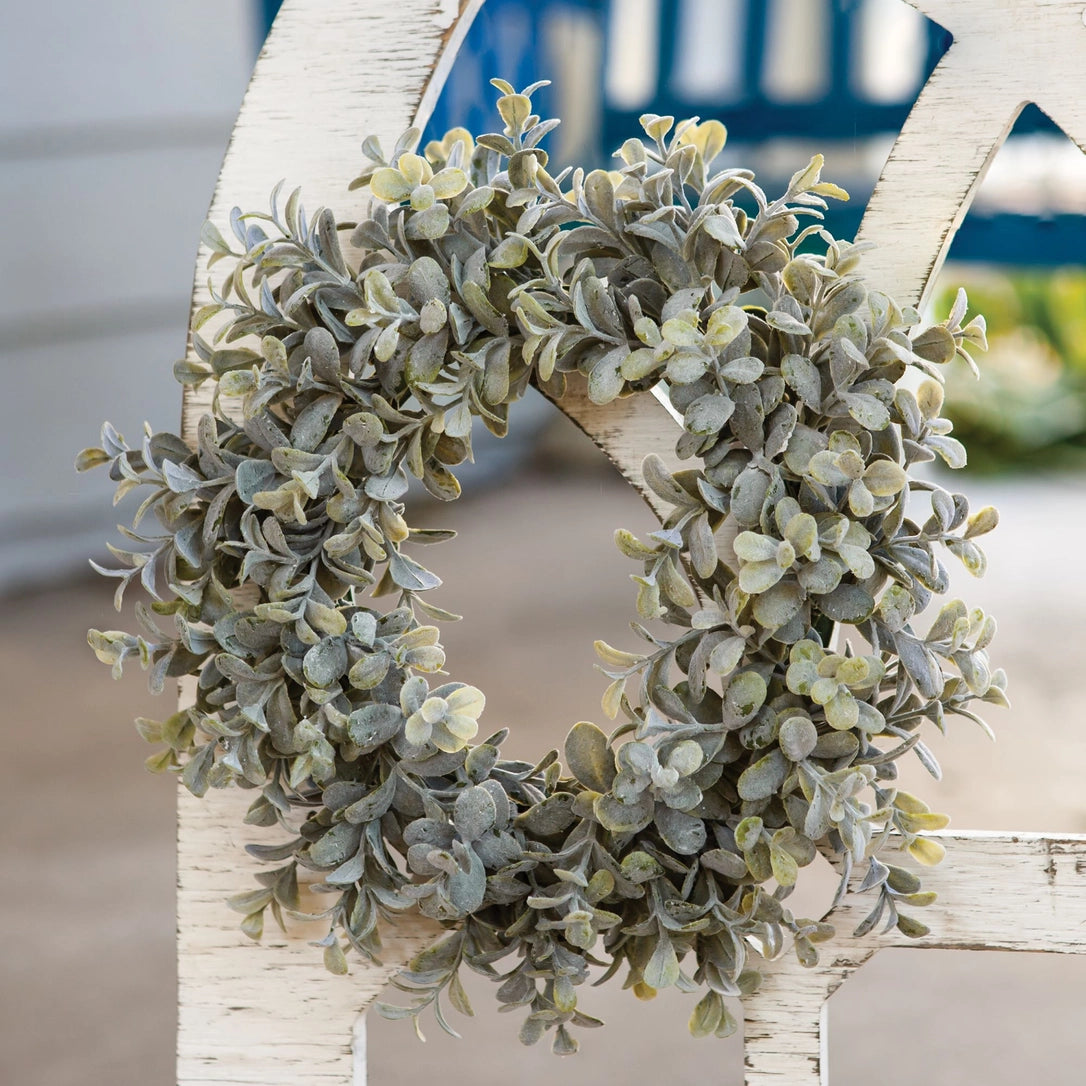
x=748 y=741
x=1030 y=410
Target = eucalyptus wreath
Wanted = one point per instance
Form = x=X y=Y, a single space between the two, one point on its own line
x=751 y=737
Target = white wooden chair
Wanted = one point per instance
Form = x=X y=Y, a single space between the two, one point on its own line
x=335 y=70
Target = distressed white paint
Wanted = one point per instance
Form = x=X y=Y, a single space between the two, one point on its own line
x=1003 y=56
x=359 y=1051
x=335 y=70
x=997 y=891
x=332 y=72
x=266 y=1014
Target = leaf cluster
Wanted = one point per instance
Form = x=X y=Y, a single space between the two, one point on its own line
x=349 y=358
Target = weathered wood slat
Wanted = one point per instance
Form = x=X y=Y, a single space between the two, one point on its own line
x=626 y=431
x=1003 y=56
x=268 y=1014
x=331 y=73
x=997 y=891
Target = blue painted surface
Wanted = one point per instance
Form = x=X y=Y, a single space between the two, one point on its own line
x=268 y=11
x=505 y=39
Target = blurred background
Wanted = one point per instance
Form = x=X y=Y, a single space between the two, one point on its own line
x=113 y=121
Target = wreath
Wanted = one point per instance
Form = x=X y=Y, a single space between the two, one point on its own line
x=749 y=739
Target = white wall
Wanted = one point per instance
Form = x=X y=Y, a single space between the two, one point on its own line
x=114 y=116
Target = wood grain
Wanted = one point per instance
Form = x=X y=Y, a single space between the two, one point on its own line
x=331 y=73
x=266 y=1013
x=1003 y=56
x=997 y=891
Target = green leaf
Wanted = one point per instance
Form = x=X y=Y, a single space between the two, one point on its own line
x=475 y=200
x=458 y=997
x=553 y=815
x=911 y=928
x=589 y=757
x=830 y=190
x=748 y=496
x=374 y=805
x=662 y=970
x=743 y=370
x=870 y=413
x=660 y=482
x=325 y=620
x=785 y=322
x=195 y=775
x=619 y=817
x=407 y=573
x=896 y=606
x=639 y=867
x=724 y=863
x=803 y=376
x=749 y=832
x=478 y=303
x=935 y=344
x=724 y=229
x=707 y=1015
x=801 y=279
x=847 y=603
x=474 y=813
x=335 y=845
x=725 y=657
x=702 y=546
x=745 y=695
x=253 y=925
x=605 y=380
x=728 y=1024
x=189 y=373
x=325 y=662
x=798 y=737
x=762 y=779
x=836 y=745
x=430 y=224
x=369 y=670
x=804 y=180
x=982 y=521
x=949 y=449
x=708 y=414
x=682 y=832
x=426 y=357
x=393 y=1013
x=375 y=723
x=927 y=851
x=564 y=1044
x=213 y=239
x=611 y=702
x=335 y=961
x=785 y=868
x=467 y=888
x=778 y=605
x=509 y=253
x=91 y=458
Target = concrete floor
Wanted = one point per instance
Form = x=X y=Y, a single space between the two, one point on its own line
x=87 y=984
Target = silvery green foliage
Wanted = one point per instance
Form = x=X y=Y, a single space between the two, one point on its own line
x=748 y=743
